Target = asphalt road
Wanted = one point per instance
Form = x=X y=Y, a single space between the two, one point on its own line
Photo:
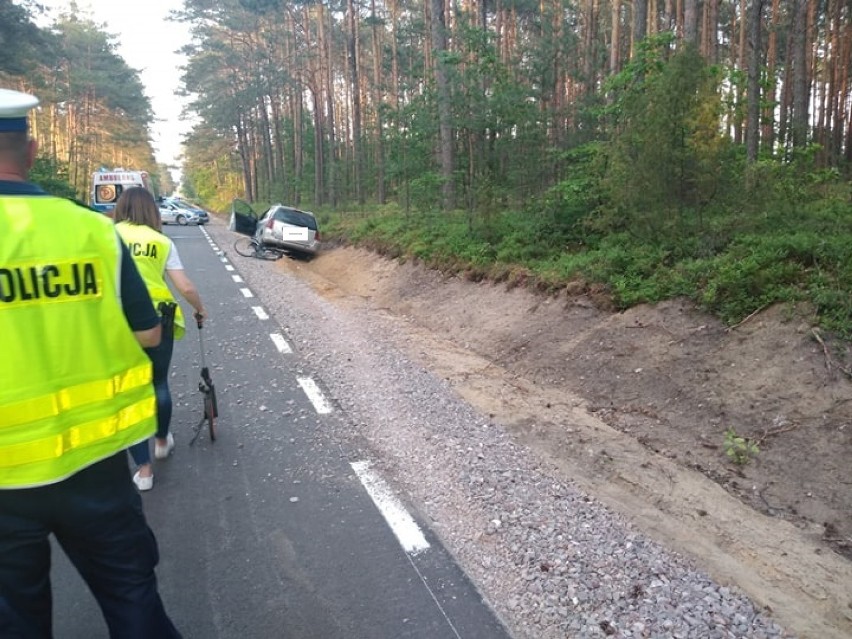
x=276 y=530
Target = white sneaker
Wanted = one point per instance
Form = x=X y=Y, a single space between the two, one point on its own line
x=161 y=452
x=143 y=483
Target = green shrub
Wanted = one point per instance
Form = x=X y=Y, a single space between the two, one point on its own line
x=738 y=449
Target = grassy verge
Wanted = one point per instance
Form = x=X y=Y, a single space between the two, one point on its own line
x=730 y=265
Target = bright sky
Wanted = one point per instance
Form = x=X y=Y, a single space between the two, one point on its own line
x=147 y=41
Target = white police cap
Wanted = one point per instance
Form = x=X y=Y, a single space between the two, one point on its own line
x=14 y=107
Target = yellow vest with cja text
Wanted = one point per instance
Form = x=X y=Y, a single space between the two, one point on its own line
x=150 y=251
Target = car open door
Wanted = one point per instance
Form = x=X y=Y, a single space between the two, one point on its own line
x=243 y=218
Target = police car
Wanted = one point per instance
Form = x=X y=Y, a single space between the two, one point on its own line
x=181 y=210
x=172 y=216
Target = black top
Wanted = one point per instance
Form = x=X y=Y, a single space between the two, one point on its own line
x=135 y=300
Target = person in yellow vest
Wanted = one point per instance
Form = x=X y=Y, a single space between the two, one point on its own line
x=137 y=220
x=75 y=391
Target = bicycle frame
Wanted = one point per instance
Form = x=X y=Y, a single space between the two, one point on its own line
x=259 y=249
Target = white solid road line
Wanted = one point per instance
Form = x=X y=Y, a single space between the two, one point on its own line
x=321 y=404
x=401 y=523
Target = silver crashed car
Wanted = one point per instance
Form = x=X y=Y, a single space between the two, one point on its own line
x=280 y=226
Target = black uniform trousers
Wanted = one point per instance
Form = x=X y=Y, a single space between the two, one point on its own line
x=96 y=516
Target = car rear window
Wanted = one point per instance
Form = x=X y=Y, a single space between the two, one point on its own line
x=296 y=218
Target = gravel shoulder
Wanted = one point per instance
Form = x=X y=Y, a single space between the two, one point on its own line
x=567 y=522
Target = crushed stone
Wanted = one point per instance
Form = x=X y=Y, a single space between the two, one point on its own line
x=553 y=562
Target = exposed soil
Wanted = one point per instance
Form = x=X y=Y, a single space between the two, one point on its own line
x=634 y=406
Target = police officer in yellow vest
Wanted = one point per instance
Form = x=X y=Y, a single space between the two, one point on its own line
x=138 y=223
x=75 y=392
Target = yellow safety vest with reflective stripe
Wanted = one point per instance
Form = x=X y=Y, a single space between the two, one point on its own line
x=150 y=252
x=75 y=386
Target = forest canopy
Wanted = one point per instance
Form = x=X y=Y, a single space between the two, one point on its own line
x=700 y=148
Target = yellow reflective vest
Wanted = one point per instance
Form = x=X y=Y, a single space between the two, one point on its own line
x=75 y=386
x=150 y=251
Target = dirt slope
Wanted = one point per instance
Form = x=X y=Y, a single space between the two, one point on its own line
x=633 y=407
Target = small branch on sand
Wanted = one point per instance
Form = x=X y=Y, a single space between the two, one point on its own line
x=829 y=362
x=775 y=431
x=752 y=314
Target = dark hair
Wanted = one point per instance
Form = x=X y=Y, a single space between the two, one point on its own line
x=137 y=206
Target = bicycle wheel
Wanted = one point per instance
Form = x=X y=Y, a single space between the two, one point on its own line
x=246 y=246
x=269 y=254
x=210 y=415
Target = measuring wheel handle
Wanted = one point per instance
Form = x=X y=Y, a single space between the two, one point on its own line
x=206 y=388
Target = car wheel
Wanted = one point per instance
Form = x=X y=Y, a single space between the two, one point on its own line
x=182 y=220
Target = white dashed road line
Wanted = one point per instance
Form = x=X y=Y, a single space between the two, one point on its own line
x=321 y=404
x=280 y=343
x=401 y=523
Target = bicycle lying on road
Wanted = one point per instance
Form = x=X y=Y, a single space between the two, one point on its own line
x=252 y=247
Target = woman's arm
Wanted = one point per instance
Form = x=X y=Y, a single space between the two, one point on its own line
x=187 y=289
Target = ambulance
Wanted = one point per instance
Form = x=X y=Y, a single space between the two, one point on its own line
x=107 y=186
